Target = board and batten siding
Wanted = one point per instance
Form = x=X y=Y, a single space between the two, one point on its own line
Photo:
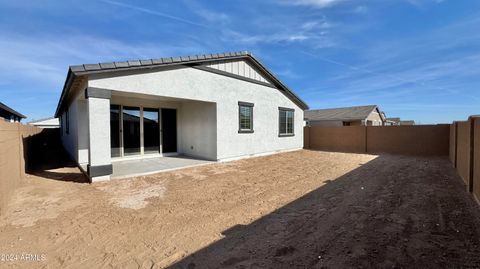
x=239 y=67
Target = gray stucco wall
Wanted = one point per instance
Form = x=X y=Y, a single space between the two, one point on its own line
x=226 y=92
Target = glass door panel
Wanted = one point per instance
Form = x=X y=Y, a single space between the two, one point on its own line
x=151 y=131
x=131 y=130
x=115 y=130
x=169 y=130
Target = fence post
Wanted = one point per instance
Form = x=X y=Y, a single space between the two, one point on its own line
x=366 y=139
x=456 y=144
x=472 y=153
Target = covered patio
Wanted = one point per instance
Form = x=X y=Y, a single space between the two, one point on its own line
x=148 y=166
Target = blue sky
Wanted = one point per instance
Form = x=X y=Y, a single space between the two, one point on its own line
x=416 y=59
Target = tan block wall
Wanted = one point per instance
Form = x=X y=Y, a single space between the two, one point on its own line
x=452 y=148
x=409 y=140
x=476 y=159
x=306 y=137
x=13 y=145
x=343 y=139
x=463 y=150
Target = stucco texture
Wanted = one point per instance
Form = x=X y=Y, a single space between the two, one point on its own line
x=198 y=85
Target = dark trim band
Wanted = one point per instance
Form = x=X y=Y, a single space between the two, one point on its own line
x=240 y=103
x=223 y=73
x=285 y=108
x=99 y=170
x=98 y=93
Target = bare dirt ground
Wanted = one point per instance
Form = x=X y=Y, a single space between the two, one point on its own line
x=304 y=209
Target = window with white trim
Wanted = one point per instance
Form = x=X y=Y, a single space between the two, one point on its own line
x=286 y=121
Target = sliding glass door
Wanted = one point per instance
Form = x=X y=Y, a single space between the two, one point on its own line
x=137 y=131
x=115 y=130
x=131 y=130
x=151 y=131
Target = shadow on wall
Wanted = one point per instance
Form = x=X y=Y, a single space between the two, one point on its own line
x=394 y=211
x=45 y=156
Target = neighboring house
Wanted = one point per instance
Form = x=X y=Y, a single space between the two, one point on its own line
x=392 y=121
x=398 y=121
x=46 y=123
x=345 y=116
x=214 y=107
x=9 y=114
x=407 y=122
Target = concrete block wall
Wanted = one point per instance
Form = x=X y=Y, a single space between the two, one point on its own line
x=465 y=153
x=14 y=145
x=430 y=140
x=463 y=150
x=342 y=139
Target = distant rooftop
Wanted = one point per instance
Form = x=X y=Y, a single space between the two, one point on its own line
x=11 y=111
x=342 y=113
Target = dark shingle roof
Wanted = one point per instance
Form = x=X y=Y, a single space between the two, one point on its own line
x=343 y=113
x=11 y=110
x=85 y=69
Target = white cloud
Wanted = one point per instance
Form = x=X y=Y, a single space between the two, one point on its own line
x=152 y=12
x=45 y=59
x=315 y=3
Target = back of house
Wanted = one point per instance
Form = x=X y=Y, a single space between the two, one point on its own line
x=214 y=107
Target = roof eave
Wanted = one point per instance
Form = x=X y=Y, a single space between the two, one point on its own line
x=81 y=70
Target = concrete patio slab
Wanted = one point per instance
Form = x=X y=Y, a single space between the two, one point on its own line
x=141 y=167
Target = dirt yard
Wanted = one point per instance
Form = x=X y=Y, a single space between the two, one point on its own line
x=303 y=209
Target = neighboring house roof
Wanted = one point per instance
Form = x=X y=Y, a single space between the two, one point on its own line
x=51 y=121
x=394 y=119
x=343 y=113
x=86 y=69
x=11 y=110
x=407 y=122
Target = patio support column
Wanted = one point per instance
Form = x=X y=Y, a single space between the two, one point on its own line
x=99 y=156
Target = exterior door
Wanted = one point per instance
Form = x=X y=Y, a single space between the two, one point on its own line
x=151 y=131
x=115 y=130
x=131 y=130
x=169 y=130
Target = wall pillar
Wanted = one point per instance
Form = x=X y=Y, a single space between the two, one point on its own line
x=99 y=166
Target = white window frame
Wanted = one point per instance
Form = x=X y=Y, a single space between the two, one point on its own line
x=287 y=111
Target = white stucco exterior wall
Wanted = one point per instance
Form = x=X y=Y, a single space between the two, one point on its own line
x=70 y=139
x=198 y=133
x=225 y=92
x=99 y=131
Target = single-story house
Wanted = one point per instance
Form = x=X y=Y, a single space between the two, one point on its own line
x=48 y=123
x=392 y=121
x=214 y=107
x=9 y=114
x=407 y=122
x=345 y=116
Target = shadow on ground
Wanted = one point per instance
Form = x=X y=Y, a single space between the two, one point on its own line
x=45 y=156
x=392 y=212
